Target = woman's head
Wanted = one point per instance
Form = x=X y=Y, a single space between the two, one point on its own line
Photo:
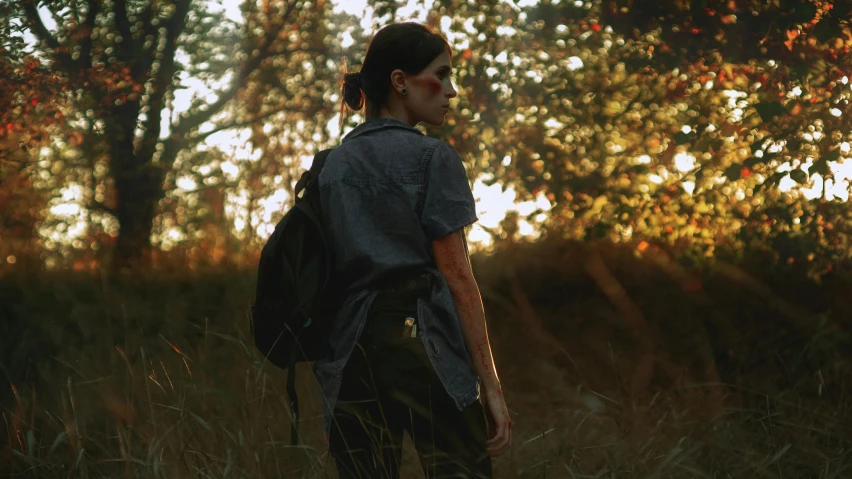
x=405 y=74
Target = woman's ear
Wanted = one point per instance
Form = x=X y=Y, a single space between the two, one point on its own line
x=397 y=80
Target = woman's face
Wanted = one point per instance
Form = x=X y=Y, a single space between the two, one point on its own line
x=429 y=92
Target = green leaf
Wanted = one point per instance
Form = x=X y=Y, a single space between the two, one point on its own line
x=766 y=158
x=833 y=155
x=751 y=161
x=680 y=137
x=734 y=172
x=826 y=29
x=60 y=438
x=775 y=178
x=820 y=166
x=799 y=69
x=841 y=9
x=799 y=176
x=769 y=110
x=201 y=421
x=717 y=144
x=793 y=144
x=804 y=12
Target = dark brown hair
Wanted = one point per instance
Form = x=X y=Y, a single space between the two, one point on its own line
x=409 y=46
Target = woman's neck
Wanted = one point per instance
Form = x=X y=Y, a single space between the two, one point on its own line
x=385 y=112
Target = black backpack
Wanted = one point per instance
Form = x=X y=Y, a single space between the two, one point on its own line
x=296 y=299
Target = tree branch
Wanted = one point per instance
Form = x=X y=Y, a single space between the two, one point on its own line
x=194 y=121
x=58 y=19
x=144 y=59
x=91 y=139
x=145 y=18
x=163 y=79
x=127 y=47
x=96 y=205
x=35 y=23
x=86 y=44
x=203 y=136
x=61 y=52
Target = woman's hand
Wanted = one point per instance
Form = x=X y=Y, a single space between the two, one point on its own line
x=498 y=420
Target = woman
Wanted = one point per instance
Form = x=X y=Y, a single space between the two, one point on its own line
x=410 y=351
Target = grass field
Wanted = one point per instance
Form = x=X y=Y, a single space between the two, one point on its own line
x=155 y=376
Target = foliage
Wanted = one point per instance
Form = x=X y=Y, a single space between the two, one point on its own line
x=696 y=125
x=126 y=62
x=789 y=61
x=27 y=95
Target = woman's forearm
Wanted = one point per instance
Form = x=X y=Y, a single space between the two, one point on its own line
x=472 y=317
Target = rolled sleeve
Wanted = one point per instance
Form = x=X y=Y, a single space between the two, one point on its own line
x=448 y=204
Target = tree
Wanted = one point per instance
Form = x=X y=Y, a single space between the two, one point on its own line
x=124 y=62
x=302 y=92
x=789 y=62
x=29 y=94
x=639 y=131
x=627 y=123
x=28 y=91
x=548 y=106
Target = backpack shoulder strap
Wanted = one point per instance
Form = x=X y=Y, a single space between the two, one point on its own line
x=319 y=161
x=312 y=175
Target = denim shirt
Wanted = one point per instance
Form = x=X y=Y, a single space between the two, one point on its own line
x=386 y=192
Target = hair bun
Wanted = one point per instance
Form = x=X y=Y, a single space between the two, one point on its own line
x=353 y=86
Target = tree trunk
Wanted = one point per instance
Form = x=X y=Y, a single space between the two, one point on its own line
x=138 y=194
x=138 y=187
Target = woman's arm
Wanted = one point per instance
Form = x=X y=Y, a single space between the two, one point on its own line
x=453 y=262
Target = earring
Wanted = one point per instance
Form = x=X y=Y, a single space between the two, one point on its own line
x=404 y=92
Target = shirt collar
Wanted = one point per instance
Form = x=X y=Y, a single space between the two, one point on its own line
x=378 y=124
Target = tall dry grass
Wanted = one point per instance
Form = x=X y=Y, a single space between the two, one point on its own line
x=155 y=375
x=148 y=379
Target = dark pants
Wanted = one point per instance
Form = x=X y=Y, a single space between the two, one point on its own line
x=389 y=386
